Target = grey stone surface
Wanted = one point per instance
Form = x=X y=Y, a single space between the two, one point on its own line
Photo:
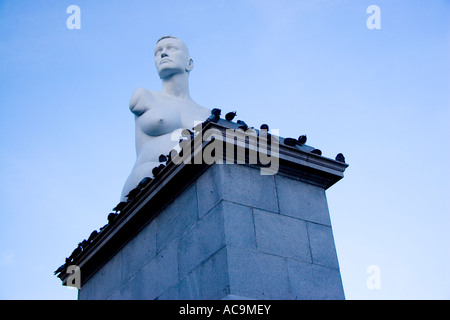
x=301 y=200
x=208 y=190
x=233 y=234
x=140 y=250
x=188 y=288
x=178 y=216
x=104 y=282
x=313 y=282
x=244 y=185
x=154 y=278
x=281 y=235
x=236 y=297
x=215 y=279
x=239 y=226
x=323 y=250
x=201 y=241
x=257 y=275
x=207 y=281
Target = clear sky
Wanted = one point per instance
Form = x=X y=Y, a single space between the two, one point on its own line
x=380 y=96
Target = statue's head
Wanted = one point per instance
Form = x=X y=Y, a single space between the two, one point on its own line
x=172 y=57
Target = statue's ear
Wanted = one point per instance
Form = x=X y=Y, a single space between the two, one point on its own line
x=190 y=65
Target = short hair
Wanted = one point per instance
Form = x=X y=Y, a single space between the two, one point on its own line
x=166 y=37
x=172 y=37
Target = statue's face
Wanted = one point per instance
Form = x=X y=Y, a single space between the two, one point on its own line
x=171 y=57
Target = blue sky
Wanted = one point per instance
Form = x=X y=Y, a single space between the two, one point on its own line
x=381 y=97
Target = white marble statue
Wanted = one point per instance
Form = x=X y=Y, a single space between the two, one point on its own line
x=159 y=114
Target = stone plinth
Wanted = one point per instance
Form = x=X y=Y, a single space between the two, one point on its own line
x=222 y=231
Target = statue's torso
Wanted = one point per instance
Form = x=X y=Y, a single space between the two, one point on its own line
x=158 y=120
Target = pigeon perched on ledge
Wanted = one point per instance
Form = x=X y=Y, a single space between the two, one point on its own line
x=230 y=116
x=133 y=193
x=317 y=151
x=112 y=217
x=157 y=170
x=75 y=253
x=302 y=140
x=340 y=158
x=215 y=115
x=60 y=269
x=120 y=206
x=162 y=158
x=92 y=236
x=144 y=182
x=291 y=142
x=242 y=125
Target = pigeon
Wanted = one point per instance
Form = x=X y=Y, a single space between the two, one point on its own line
x=317 y=151
x=290 y=142
x=93 y=235
x=230 y=116
x=120 y=206
x=162 y=158
x=242 y=125
x=133 y=193
x=84 y=244
x=75 y=253
x=340 y=157
x=144 y=182
x=187 y=134
x=215 y=115
x=264 y=127
x=302 y=140
x=112 y=217
x=157 y=170
x=60 y=269
x=216 y=111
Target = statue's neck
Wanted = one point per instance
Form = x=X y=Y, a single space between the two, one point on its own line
x=177 y=86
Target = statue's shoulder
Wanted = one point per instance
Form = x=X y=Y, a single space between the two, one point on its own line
x=205 y=112
x=140 y=100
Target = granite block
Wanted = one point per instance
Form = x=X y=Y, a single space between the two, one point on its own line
x=215 y=280
x=323 y=250
x=245 y=185
x=188 y=288
x=239 y=227
x=104 y=282
x=201 y=240
x=301 y=200
x=313 y=282
x=257 y=275
x=208 y=190
x=176 y=217
x=140 y=250
x=281 y=235
x=155 y=277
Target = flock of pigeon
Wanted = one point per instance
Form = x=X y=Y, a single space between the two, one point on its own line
x=164 y=160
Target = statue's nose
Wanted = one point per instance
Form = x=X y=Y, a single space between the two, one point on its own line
x=163 y=55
